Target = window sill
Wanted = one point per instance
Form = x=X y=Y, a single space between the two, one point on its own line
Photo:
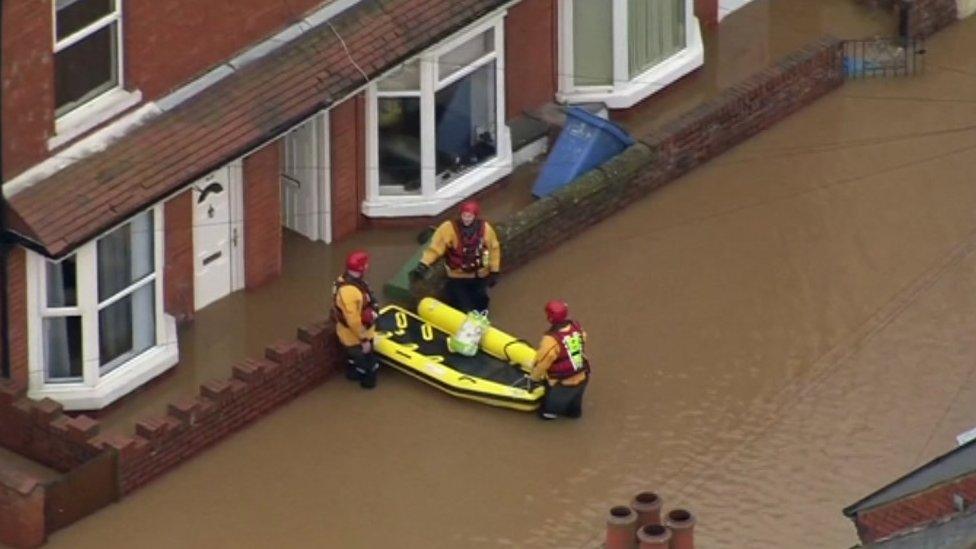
x=77 y=122
x=119 y=382
x=433 y=204
x=647 y=83
x=726 y=7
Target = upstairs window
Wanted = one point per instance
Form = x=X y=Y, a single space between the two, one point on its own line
x=87 y=51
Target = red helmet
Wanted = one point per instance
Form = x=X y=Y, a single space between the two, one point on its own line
x=471 y=207
x=357 y=261
x=557 y=311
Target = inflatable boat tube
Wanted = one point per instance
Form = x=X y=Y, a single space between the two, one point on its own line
x=495 y=342
x=416 y=347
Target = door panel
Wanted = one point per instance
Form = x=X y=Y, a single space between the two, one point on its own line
x=304 y=199
x=212 y=238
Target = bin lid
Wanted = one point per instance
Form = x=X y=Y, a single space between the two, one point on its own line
x=605 y=125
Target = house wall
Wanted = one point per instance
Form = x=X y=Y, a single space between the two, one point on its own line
x=530 y=56
x=17 y=313
x=28 y=83
x=165 y=44
x=707 y=12
x=348 y=140
x=178 y=271
x=262 y=216
x=914 y=511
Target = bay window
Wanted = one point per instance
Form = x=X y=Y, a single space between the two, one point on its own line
x=621 y=51
x=99 y=331
x=436 y=130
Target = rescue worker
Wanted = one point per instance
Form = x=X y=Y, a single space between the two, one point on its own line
x=561 y=362
x=472 y=257
x=354 y=310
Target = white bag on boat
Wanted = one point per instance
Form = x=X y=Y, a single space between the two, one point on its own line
x=469 y=335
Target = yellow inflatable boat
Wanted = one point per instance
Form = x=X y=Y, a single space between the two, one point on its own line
x=417 y=345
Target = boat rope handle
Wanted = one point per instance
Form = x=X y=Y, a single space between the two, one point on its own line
x=508 y=357
x=427 y=332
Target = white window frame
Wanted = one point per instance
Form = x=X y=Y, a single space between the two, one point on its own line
x=96 y=390
x=431 y=200
x=108 y=104
x=625 y=91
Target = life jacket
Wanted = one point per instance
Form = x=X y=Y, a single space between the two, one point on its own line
x=370 y=308
x=470 y=254
x=571 y=359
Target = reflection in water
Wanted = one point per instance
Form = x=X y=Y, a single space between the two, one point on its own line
x=774 y=336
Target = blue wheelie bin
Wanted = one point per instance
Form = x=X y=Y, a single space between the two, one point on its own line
x=586 y=142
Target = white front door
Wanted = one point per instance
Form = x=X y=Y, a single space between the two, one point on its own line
x=304 y=181
x=213 y=238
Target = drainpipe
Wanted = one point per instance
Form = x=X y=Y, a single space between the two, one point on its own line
x=4 y=241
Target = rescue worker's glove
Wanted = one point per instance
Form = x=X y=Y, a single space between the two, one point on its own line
x=492 y=279
x=419 y=272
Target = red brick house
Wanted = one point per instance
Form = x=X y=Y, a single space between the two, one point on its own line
x=150 y=159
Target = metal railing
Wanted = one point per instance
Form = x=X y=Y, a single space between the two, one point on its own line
x=884 y=57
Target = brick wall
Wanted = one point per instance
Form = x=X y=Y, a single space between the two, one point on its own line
x=21 y=510
x=178 y=270
x=169 y=42
x=914 y=511
x=225 y=405
x=926 y=17
x=17 y=313
x=262 y=216
x=348 y=143
x=28 y=83
x=664 y=155
x=530 y=56
x=41 y=431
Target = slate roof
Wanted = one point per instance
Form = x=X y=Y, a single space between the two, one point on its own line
x=957 y=463
x=257 y=103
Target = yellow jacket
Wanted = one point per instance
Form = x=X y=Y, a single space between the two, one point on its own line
x=446 y=237
x=349 y=300
x=546 y=354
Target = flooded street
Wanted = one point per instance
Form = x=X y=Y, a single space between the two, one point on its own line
x=773 y=336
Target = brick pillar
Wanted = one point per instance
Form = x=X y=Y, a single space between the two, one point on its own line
x=17 y=313
x=262 y=216
x=22 y=516
x=178 y=257
x=707 y=12
x=530 y=56
x=347 y=123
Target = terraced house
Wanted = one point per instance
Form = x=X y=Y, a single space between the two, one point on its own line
x=152 y=152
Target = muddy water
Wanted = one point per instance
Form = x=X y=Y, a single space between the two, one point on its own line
x=774 y=336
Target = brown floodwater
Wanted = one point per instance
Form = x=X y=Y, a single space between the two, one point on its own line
x=774 y=336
